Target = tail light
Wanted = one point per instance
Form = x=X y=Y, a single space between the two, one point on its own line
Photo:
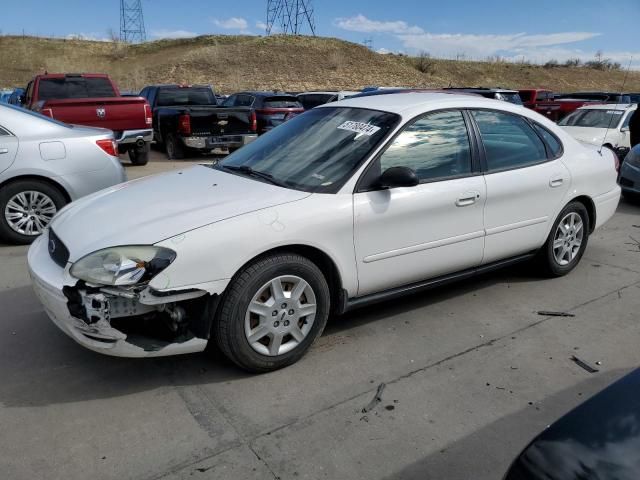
x=147 y=114
x=253 y=121
x=184 y=124
x=47 y=112
x=109 y=146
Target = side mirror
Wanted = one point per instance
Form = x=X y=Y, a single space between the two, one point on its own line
x=624 y=129
x=398 y=177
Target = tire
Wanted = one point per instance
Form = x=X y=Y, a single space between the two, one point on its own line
x=175 y=151
x=235 y=324
x=558 y=261
x=632 y=198
x=139 y=156
x=48 y=197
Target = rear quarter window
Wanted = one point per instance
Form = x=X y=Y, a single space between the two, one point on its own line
x=550 y=139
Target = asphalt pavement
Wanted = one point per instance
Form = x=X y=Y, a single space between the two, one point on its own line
x=471 y=373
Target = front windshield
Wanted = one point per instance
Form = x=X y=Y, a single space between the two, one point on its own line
x=316 y=151
x=593 y=118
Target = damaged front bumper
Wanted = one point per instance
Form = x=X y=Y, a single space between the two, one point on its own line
x=121 y=322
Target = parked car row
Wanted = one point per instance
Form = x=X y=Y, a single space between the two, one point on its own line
x=187 y=119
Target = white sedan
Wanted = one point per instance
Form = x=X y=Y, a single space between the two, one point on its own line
x=347 y=204
x=601 y=125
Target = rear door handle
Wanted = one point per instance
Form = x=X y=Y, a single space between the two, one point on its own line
x=466 y=199
x=556 y=182
x=4 y=150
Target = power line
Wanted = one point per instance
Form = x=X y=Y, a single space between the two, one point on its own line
x=291 y=16
x=132 y=22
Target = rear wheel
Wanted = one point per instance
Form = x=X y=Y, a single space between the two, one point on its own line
x=271 y=313
x=26 y=209
x=175 y=151
x=567 y=241
x=139 y=156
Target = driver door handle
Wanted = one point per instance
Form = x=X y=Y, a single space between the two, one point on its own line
x=4 y=150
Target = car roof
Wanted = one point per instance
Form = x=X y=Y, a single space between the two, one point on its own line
x=334 y=92
x=609 y=106
x=482 y=89
x=265 y=93
x=405 y=103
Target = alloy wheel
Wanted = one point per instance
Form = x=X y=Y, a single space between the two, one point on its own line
x=28 y=213
x=280 y=315
x=568 y=238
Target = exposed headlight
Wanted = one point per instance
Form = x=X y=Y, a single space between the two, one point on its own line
x=127 y=265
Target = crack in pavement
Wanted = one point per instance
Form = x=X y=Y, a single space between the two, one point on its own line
x=250 y=441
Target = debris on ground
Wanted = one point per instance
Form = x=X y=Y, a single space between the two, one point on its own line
x=635 y=243
x=376 y=399
x=584 y=365
x=546 y=313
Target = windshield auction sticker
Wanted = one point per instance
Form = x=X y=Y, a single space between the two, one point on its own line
x=359 y=127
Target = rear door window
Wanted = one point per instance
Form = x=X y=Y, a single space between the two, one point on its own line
x=509 y=141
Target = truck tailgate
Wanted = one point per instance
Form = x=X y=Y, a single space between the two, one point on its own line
x=114 y=113
x=207 y=120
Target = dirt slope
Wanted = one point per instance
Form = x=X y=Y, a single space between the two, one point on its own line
x=234 y=63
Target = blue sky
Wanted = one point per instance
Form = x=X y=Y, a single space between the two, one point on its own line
x=537 y=31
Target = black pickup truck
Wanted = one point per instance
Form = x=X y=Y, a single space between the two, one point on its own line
x=187 y=117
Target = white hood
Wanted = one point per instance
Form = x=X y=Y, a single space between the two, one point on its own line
x=151 y=209
x=594 y=136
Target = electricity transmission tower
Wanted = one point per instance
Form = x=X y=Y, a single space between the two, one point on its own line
x=132 y=21
x=291 y=16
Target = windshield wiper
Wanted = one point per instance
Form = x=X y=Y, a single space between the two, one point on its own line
x=255 y=173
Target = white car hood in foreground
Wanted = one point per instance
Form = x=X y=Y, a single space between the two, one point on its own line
x=151 y=209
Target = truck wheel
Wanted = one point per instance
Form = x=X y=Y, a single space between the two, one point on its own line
x=175 y=151
x=139 y=157
x=26 y=208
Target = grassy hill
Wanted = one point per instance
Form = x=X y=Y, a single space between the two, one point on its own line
x=233 y=63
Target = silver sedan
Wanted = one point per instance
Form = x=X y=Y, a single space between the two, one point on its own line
x=45 y=164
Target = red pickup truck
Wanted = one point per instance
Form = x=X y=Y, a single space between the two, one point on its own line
x=94 y=100
x=546 y=103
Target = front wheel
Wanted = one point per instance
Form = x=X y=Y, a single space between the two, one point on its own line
x=567 y=241
x=271 y=313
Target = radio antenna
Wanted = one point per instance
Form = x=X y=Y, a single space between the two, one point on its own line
x=624 y=82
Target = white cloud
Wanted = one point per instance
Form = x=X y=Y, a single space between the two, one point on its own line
x=233 y=23
x=96 y=37
x=533 y=47
x=483 y=45
x=172 y=34
x=360 y=23
x=261 y=25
